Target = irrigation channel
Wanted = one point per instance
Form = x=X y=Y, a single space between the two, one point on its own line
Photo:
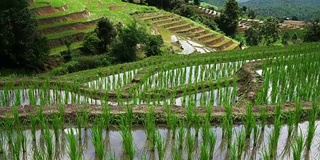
x=262 y=108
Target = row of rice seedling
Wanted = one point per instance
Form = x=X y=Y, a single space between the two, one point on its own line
x=231 y=141
x=113 y=82
x=291 y=81
x=190 y=74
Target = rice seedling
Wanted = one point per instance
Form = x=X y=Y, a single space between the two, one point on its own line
x=181 y=135
x=48 y=141
x=297 y=147
x=263 y=115
x=160 y=145
x=33 y=122
x=23 y=140
x=97 y=141
x=212 y=143
x=127 y=138
x=312 y=126
x=249 y=121
x=291 y=121
x=74 y=153
x=241 y=141
x=56 y=126
x=16 y=148
x=190 y=146
x=79 y=120
x=151 y=128
x=106 y=115
x=204 y=151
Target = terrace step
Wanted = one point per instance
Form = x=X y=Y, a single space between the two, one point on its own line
x=158 y=17
x=231 y=47
x=200 y=32
x=174 y=23
x=70 y=26
x=220 y=44
x=205 y=36
x=165 y=21
x=192 y=29
x=214 y=40
x=47 y=10
x=179 y=27
x=66 y=17
x=59 y=41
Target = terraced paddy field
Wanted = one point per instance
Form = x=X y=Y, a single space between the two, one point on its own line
x=260 y=103
x=61 y=20
x=177 y=25
x=69 y=19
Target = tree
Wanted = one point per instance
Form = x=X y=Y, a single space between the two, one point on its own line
x=252 y=14
x=124 y=48
x=106 y=32
x=196 y=2
x=228 y=21
x=252 y=35
x=244 y=9
x=295 y=18
x=90 y=43
x=285 y=38
x=295 y=38
x=133 y=39
x=153 y=45
x=313 y=32
x=21 y=45
x=270 y=30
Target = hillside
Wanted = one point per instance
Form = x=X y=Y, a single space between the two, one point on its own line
x=303 y=9
x=66 y=19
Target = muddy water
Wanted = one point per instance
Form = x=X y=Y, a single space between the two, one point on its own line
x=113 y=143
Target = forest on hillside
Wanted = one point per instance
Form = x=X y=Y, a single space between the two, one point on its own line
x=303 y=9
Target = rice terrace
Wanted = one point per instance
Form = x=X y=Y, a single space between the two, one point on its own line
x=207 y=95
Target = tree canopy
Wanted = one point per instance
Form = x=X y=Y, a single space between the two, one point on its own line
x=313 y=32
x=228 y=21
x=21 y=45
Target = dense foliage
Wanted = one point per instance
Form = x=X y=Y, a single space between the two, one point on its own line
x=228 y=21
x=21 y=45
x=313 y=32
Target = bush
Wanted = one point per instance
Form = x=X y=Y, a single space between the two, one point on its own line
x=153 y=45
x=90 y=43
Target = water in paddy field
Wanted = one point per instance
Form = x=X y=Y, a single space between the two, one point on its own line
x=113 y=82
x=22 y=97
x=113 y=143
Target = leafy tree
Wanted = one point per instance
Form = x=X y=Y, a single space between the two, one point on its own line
x=186 y=1
x=196 y=2
x=285 y=38
x=295 y=18
x=313 y=32
x=106 y=32
x=244 y=9
x=295 y=38
x=252 y=14
x=270 y=30
x=153 y=45
x=252 y=35
x=132 y=39
x=125 y=47
x=90 y=43
x=228 y=21
x=21 y=45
